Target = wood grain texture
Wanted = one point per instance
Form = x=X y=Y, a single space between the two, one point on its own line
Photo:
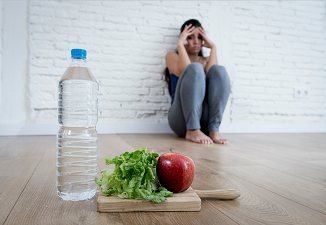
x=16 y=170
x=318 y=163
x=297 y=147
x=310 y=194
x=307 y=170
x=6 y=140
x=184 y=201
x=287 y=187
x=115 y=143
x=281 y=178
x=228 y=194
x=23 y=146
x=283 y=158
x=39 y=203
x=257 y=205
x=207 y=215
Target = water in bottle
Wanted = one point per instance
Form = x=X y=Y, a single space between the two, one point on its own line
x=77 y=136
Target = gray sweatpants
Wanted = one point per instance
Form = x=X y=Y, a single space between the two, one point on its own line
x=199 y=100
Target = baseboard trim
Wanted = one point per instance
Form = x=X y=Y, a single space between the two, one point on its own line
x=152 y=128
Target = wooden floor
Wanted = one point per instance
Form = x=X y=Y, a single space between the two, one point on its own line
x=282 y=179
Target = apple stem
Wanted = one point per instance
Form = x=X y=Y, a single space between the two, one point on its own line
x=171 y=150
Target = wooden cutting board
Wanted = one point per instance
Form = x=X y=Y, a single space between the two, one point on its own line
x=184 y=201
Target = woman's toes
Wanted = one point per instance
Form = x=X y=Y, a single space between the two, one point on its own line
x=220 y=141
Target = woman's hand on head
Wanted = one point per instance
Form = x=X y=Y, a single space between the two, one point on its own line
x=188 y=30
x=207 y=43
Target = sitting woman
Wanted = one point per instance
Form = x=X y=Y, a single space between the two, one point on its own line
x=198 y=86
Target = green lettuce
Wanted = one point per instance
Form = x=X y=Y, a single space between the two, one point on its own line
x=134 y=176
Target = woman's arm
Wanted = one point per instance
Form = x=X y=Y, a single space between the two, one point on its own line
x=212 y=59
x=209 y=44
x=172 y=61
x=176 y=63
x=182 y=60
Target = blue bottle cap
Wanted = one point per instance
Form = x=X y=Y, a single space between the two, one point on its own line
x=78 y=53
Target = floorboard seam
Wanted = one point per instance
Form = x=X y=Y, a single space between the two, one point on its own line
x=121 y=219
x=25 y=186
x=221 y=212
x=280 y=170
x=276 y=193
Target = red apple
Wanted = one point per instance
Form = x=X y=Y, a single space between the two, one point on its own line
x=175 y=171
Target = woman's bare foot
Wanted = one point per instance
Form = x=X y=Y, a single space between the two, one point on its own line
x=198 y=136
x=217 y=138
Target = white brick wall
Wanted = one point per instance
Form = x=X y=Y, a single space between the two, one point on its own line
x=126 y=44
x=278 y=45
x=275 y=46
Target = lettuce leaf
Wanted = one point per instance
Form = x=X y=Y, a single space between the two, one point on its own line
x=134 y=176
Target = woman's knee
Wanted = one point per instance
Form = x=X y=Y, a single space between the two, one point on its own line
x=195 y=68
x=217 y=69
x=219 y=72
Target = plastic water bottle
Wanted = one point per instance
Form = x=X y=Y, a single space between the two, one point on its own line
x=77 y=136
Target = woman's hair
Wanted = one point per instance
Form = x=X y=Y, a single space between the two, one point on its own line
x=195 y=23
